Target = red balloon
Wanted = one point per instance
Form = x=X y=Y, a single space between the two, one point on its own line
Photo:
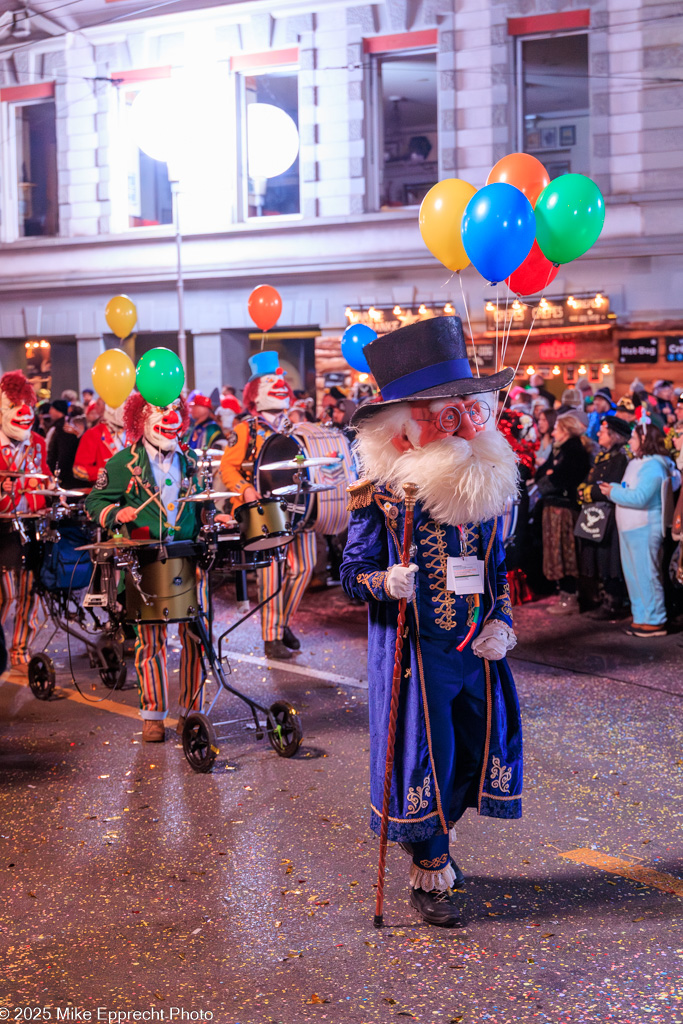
x=534 y=275
x=523 y=171
x=265 y=306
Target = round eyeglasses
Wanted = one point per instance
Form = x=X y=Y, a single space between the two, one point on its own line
x=448 y=419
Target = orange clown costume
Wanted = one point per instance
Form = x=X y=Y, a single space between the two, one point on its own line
x=22 y=452
x=267 y=398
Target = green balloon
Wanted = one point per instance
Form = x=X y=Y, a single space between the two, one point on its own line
x=570 y=212
x=160 y=376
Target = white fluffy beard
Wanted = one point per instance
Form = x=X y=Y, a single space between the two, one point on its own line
x=458 y=481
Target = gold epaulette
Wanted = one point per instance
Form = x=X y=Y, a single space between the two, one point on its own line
x=360 y=494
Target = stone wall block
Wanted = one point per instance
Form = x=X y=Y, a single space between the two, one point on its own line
x=601 y=145
x=447 y=118
x=500 y=113
x=447 y=80
x=661 y=57
x=446 y=42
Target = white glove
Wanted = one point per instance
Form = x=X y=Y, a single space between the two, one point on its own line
x=400 y=581
x=494 y=641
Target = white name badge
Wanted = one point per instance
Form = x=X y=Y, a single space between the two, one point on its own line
x=465 y=575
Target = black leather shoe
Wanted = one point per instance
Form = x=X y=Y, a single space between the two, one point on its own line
x=437 y=908
x=291 y=641
x=276 y=649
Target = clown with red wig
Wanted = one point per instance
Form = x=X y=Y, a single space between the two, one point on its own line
x=22 y=452
x=267 y=397
x=155 y=471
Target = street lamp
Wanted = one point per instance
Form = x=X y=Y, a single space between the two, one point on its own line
x=159 y=121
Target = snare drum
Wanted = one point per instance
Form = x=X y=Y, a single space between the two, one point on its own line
x=232 y=557
x=170 y=586
x=18 y=553
x=264 y=524
x=329 y=514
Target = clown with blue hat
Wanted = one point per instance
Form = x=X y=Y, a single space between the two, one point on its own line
x=458 y=738
x=267 y=398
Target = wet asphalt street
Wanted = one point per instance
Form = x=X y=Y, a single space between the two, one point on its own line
x=130 y=883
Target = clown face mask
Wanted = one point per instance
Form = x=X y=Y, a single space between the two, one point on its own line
x=273 y=393
x=17 y=419
x=162 y=427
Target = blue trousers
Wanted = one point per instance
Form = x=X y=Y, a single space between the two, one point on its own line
x=456 y=701
x=641 y=560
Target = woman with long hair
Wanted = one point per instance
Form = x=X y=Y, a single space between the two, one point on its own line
x=639 y=521
x=558 y=480
x=545 y=424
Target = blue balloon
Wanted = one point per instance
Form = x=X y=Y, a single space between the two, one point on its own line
x=354 y=338
x=498 y=230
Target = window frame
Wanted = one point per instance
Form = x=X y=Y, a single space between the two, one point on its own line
x=9 y=188
x=241 y=169
x=374 y=133
x=519 y=41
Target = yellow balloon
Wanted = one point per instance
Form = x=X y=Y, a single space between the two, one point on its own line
x=113 y=376
x=121 y=315
x=440 y=219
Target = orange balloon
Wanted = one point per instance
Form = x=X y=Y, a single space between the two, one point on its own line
x=523 y=171
x=265 y=306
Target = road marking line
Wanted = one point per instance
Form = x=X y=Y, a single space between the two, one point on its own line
x=300 y=670
x=635 y=872
x=104 y=705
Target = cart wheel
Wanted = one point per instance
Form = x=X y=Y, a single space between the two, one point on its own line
x=114 y=675
x=41 y=676
x=284 y=728
x=199 y=742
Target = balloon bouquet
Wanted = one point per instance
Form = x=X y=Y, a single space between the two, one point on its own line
x=518 y=228
x=159 y=375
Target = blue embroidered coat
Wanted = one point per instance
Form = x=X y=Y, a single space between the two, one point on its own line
x=437 y=620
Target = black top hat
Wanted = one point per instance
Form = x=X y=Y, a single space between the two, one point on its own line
x=427 y=359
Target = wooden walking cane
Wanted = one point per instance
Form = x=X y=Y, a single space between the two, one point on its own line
x=410 y=491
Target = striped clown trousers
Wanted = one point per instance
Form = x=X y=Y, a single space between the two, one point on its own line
x=151 y=666
x=17 y=588
x=297 y=571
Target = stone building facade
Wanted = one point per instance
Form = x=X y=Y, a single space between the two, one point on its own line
x=346 y=246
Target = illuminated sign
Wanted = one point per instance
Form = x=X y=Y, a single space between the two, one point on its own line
x=572 y=311
x=554 y=350
x=384 y=319
x=674 y=350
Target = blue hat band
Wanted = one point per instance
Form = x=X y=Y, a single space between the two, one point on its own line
x=428 y=377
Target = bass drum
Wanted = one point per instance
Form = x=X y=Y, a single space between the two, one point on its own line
x=281 y=448
x=330 y=515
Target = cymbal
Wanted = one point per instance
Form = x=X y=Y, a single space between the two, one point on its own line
x=210 y=496
x=305 y=488
x=14 y=473
x=20 y=515
x=55 y=492
x=303 y=463
x=116 y=542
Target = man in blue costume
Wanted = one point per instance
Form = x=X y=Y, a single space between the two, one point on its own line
x=458 y=738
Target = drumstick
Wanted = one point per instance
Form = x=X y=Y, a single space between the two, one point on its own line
x=145 y=503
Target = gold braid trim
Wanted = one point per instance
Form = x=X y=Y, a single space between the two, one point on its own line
x=359 y=494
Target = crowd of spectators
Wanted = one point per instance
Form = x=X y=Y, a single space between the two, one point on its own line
x=598 y=518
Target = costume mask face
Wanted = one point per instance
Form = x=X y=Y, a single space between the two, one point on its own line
x=113 y=418
x=17 y=420
x=162 y=427
x=273 y=393
x=453 y=417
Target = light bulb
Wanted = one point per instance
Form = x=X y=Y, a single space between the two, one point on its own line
x=530 y=371
x=448 y=309
x=556 y=371
x=605 y=368
x=490 y=308
x=397 y=311
x=422 y=310
x=582 y=371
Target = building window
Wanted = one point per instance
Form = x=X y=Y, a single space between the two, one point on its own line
x=36 y=149
x=270 y=143
x=554 y=101
x=406 y=123
x=149 y=190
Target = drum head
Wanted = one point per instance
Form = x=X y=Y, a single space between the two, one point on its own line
x=276 y=448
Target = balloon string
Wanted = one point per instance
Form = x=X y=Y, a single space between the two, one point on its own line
x=450 y=278
x=467 y=314
x=506 y=339
x=497 y=363
x=521 y=354
x=263 y=339
x=505 y=328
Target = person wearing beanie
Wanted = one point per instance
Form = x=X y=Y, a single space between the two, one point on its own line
x=602 y=406
x=571 y=399
x=56 y=448
x=205 y=431
x=600 y=561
